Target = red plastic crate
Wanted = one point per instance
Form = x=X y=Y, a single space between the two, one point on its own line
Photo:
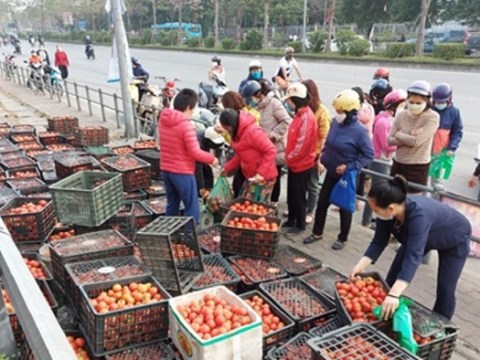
x=50 y=137
x=62 y=124
x=90 y=135
x=135 y=172
x=67 y=165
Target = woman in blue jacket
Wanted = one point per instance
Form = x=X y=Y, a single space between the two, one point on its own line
x=420 y=224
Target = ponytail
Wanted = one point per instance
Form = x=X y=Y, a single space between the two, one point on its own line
x=389 y=192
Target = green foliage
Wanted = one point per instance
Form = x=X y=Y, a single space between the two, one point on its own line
x=317 y=40
x=228 y=44
x=399 y=50
x=386 y=36
x=449 y=51
x=194 y=42
x=253 y=40
x=167 y=38
x=147 y=36
x=279 y=39
x=296 y=45
x=209 y=42
x=344 y=38
x=359 y=47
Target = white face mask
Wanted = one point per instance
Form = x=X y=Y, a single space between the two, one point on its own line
x=441 y=106
x=416 y=109
x=214 y=64
x=340 y=118
x=384 y=218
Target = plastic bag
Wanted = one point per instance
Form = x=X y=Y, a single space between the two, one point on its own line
x=257 y=191
x=441 y=165
x=344 y=192
x=221 y=192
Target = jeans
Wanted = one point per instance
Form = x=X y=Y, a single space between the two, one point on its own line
x=297 y=197
x=382 y=168
x=181 y=187
x=313 y=190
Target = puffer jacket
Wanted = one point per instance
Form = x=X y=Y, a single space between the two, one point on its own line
x=254 y=152
x=179 y=145
x=275 y=120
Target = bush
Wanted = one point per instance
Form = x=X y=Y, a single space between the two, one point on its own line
x=359 y=47
x=228 y=44
x=209 y=42
x=147 y=36
x=279 y=40
x=296 y=45
x=399 y=50
x=344 y=38
x=317 y=40
x=167 y=38
x=253 y=41
x=449 y=51
x=194 y=42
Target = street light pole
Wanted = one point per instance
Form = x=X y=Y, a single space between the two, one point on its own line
x=304 y=35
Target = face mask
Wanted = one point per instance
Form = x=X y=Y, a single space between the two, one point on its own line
x=289 y=107
x=214 y=64
x=257 y=75
x=384 y=218
x=253 y=102
x=340 y=118
x=441 y=106
x=416 y=109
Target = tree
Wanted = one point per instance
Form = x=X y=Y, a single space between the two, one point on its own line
x=266 y=18
x=330 y=16
x=421 y=27
x=217 y=11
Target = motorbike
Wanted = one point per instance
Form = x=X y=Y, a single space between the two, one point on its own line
x=90 y=52
x=9 y=61
x=209 y=94
x=31 y=40
x=18 y=48
x=53 y=78
x=35 y=81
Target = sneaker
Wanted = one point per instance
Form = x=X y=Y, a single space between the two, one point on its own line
x=338 y=245
x=285 y=213
x=309 y=218
x=312 y=238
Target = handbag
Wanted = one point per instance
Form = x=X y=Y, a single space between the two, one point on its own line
x=344 y=192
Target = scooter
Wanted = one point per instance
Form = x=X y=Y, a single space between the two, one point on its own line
x=36 y=78
x=18 y=48
x=209 y=94
x=10 y=64
x=90 y=52
x=54 y=80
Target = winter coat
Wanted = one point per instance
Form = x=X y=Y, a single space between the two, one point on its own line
x=450 y=130
x=381 y=129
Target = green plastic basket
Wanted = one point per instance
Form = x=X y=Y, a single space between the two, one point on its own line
x=88 y=198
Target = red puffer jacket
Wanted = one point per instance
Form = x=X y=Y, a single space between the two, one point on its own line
x=179 y=147
x=302 y=141
x=254 y=152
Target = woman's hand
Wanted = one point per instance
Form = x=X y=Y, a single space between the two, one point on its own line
x=360 y=267
x=259 y=178
x=416 y=131
x=390 y=304
x=473 y=181
x=320 y=167
x=340 y=169
x=215 y=162
x=223 y=172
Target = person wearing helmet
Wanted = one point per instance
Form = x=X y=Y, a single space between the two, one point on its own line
x=217 y=69
x=285 y=67
x=255 y=72
x=381 y=73
x=383 y=152
x=412 y=133
x=379 y=89
x=348 y=147
x=450 y=130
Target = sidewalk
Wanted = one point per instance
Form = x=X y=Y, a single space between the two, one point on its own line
x=20 y=105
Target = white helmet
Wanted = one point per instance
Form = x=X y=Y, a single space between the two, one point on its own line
x=255 y=64
x=213 y=136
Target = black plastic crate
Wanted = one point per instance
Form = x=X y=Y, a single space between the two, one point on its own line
x=274 y=337
x=217 y=272
x=210 y=238
x=27 y=186
x=156 y=189
x=359 y=341
x=158 y=351
x=22 y=173
x=66 y=165
x=170 y=248
x=22 y=137
x=294 y=349
x=153 y=158
x=12 y=155
x=441 y=346
x=7 y=194
x=122 y=329
x=324 y=280
x=249 y=242
x=7 y=146
x=124 y=221
x=245 y=285
x=157 y=205
x=135 y=172
x=122 y=150
x=258 y=270
x=136 y=195
x=143 y=216
x=294 y=261
x=304 y=305
x=50 y=177
x=62 y=124
x=21 y=162
x=31 y=256
x=326 y=327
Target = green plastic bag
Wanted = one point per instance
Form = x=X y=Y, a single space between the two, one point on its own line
x=402 y=324
x=441 y=165
x=257 y=191
x=221 y=193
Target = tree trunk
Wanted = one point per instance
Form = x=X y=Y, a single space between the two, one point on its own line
x=421 y=28
x=180 y=8
x=215 y=23
x=266 y=17
x=154 y=21
x=331 y=15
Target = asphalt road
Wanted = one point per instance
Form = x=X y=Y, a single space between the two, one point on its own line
x=192 y=68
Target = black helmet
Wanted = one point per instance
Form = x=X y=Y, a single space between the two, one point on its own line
x=250 y=89
x=216 y=59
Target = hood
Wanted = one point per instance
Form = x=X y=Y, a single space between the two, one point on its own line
x=246 y=119
x=171 y=117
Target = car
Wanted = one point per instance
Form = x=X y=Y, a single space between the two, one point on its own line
x=455 y=36
x=473 y=43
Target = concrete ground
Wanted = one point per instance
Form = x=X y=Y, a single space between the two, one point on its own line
x=19 y=105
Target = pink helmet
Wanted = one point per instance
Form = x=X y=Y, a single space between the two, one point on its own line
x=394 y=98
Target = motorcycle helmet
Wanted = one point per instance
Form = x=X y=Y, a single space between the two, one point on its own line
x=394 y=98
x=134 y=60
x=213 y=136
x=379 y=89
x=346 y=100
x=420 y=87
x=250 y=89
x=442 y=93
x=289 y=50
x=254 y=64
x=381 y=73
x=216 y=59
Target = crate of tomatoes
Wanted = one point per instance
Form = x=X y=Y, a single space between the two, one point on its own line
x=258 y=270
x=143 y=216
x=20 y=162
x=122 y=150
x=23 y=173
x=152 y=156
x=124 y=313
x=50 y=137
x=156 y=205
x=124 y=221
x=294 y=261
x=28 y=219
x=295 y=348
x=250 y=235
x=62 y=124
x=217 y=272
x=135 y=172
x=243 y=205
x=36 y=266
x=323 y=280
x=159 y=350
x=27 y=186
x=90 y=135
x=146 y=144
x=210 y=238
x=230 y=329
x=66 y=165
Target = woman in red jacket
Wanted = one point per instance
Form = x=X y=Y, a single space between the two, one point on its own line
x=300 y=155
x=254 y=152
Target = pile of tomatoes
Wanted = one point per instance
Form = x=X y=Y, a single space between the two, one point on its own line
x=35 y=268
x=28 y=207
x=271 y=322
x=360 y=297
x=62 y=235
x=259 y=224
x=247 y=207
x=211 y=316
x=78 y=345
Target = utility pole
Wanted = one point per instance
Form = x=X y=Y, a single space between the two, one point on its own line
x=215 y=23
x=123 y=63
x=421 y=28
x=304 y=30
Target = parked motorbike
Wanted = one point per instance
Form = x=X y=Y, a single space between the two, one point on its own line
x=10 y=64
x=90 y=52
x=209 y=94
x=53 y=78
x=35 y=81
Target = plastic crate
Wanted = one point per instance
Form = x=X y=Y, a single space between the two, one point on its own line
x=143 y=216
x=153 y=158
x=27 y=186
x=3 y=177
x=22 y=173
x=345 y=315
x=41 y=264
x=258 y=270
x=210 y=238
x=62 y=124
x=87 y=198
x=43 y=194
x=30 y=145
x=12 y=154
x=61 y=233
x=18 y=163
x=227 y=206
x=99 y=152
x=30 y=248
x=145 y=145
x=36 y=153
x=217 y=272
x=90 y=135
x=170 y=248
x=358 y=341
x=440 y=348
x=60 y=147
x=324 y=280
x=294 y=261
x=66 y=165
x=33 y=226
x=112 y=331
x=305 y=306
x=122 y=150
x=158 y=205
x=257 y=243
x=6 y=146
x=156 y=189
x=135 y=172
x=275 y=337
x=21 y=138
x=5 y=129
x=50 y=177
x=47 y=164
x=6 y=195
x=294 y=349
x=50 y=137
x=160 y=351
x=134 y=195
x=93 y=246
x=124 y=221
x=326 y=327
x=22 y=129
x=99 y=271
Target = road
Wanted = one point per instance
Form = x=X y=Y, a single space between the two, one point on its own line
x=192 y=67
